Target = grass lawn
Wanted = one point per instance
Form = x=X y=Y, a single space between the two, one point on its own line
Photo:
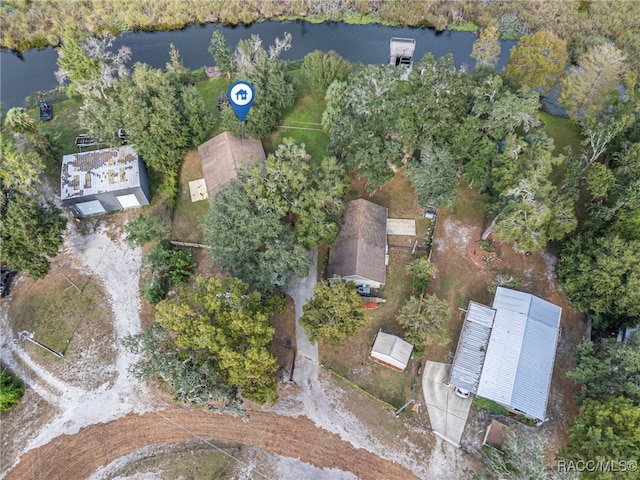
x=60 y=315
x=186 y=214
x=302 y=123
x=210 y=89
x=64 y=126
x=564 y=132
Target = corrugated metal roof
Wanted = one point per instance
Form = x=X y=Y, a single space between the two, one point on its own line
x=503 y=356
x=99 y=171
x=472 y=347
x=519 y=362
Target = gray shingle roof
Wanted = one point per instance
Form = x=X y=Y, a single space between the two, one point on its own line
x=223 y=155
x=360 y=247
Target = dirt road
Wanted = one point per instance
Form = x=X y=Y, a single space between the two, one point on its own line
x=79 y=455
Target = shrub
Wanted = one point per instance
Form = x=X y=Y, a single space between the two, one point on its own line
x=145 y=229
x=152 y=290
x=10 y=391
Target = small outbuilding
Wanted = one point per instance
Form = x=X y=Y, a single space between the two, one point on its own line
x=494 y=436
x=359 y=254
x=101 y=181
x=223 y=155
x=391 y=351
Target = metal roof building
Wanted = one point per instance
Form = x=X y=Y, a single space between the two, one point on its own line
x=472 y=347
x=100 y=181
x=514 y=355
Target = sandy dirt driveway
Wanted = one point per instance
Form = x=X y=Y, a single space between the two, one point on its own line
x=79 y=455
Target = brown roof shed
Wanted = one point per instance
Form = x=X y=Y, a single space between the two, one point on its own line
x=223 y=155
x=360 y=249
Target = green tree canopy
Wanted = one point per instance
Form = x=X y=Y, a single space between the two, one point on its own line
x=145 y=229
x=422 y=272
x=592 y=85
x=433 y=177
x=537 y=61
x=194 y=377
x=361 y=121
x=486 y=49
x=522 y=457
x=31 y=233
x=308 y=195
x=607 y=430
x=601 y=276
x=19 y=172
x=334 y=314
x=89 y=64
x=250 y=243
x=19 y=121
x=425 y=320
x=531 y=208
x=10 y=391
x=233 y=326
x=221 y=53
x=274 y=87
x=320 y=69
x=161 y=116
x=611 y=369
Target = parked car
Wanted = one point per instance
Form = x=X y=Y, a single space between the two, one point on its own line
x=5 y=281
x=462 y=393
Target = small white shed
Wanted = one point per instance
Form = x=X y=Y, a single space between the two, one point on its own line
x=391 y=351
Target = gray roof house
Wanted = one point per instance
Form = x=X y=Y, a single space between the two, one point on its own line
x=101 y=181
x=223 y=155
x=506 y=353
x=359 y=253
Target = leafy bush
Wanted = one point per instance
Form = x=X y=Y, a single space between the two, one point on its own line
x=10 y=391
x=145 y=229
x=170 y=262
x=422 y=271
x=152 y=290
x=489 y=405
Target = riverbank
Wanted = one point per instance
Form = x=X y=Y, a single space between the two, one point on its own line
x=40 y=24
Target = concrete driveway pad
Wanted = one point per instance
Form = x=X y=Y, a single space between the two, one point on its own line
x=399 y=226
x=447 y=412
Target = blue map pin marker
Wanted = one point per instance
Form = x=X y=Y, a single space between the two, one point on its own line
x=241 y=95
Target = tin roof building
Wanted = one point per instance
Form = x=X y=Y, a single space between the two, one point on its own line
x=101 y=181
x=506 y=353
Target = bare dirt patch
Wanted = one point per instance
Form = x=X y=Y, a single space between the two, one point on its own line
x=20 y=425
x=284 y=338
x=66 y=311
x=78 y=455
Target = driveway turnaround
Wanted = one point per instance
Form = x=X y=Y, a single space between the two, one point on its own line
x=447 y=411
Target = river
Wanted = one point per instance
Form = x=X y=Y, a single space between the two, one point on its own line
x=33 y=71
